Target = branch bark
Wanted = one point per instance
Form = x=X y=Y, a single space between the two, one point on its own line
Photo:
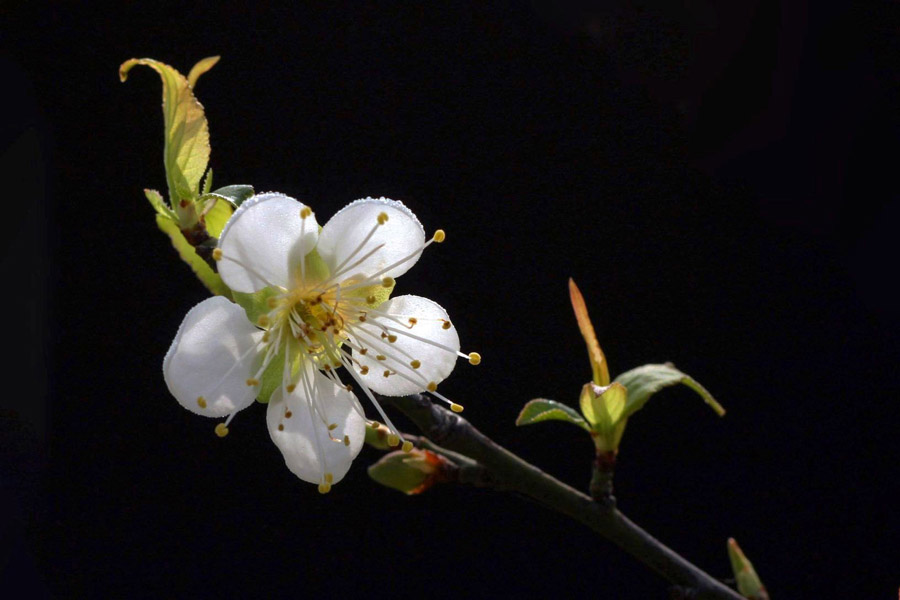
x=509 y=472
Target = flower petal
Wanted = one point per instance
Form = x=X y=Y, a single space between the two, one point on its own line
x=296 y=435
x=424 y=335
x=342 y=241
x=213 y=354
x=264 y=242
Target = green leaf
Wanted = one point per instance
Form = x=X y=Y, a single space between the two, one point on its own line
x=236 y=194
x=186 y=131
x=187 y=253
x=748 y=582
x=540 y=409
x=156 y=200
x=645 y=381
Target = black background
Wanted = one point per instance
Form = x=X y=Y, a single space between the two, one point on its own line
x=718 y=177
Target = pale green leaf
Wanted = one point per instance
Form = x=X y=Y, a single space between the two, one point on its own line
x=157 y=202
x=186 y=131
x=203 y=271
x=236 y=194
x=216 y=217
x=207 y=182
x=200 y=68
x=540 y=409
x=645 y=381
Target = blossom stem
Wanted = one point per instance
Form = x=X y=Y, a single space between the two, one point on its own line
x=506 y=471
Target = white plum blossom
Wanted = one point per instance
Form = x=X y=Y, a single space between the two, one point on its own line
x=312 y=300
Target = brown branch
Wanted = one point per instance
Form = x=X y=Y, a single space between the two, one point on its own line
x=509 y=472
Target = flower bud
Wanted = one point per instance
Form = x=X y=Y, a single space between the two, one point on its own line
x=748 y=583
x=410 y=472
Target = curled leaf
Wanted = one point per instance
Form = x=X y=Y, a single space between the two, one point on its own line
x=186 y=132
x=540 y=409
x=645 y=381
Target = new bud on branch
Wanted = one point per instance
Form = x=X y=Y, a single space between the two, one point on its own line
x=606 y=407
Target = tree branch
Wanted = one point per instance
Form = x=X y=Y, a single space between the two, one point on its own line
x=509 y=472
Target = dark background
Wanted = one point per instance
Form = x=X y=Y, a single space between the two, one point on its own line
x=718 y=177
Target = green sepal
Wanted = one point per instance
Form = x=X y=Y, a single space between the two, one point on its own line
x=748 y=582
x=255 y=304
x=540 y=409
x=203 y=271
x=377 y=437
x=271 y=378
x=236 y=194
x=159 y=205
x=645 y=381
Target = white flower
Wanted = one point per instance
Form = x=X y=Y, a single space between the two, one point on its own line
x=318 y=300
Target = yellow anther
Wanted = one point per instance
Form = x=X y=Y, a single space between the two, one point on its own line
x=346 y=440
x=332 y=427
x=446 y=325
x=392 y=338
x=370 y=299
x=432 y=386
x=439 y=236
x=413 y=321
x=265 y=337
x=271 y=302
x=363 y=351
x=457 y=408
x=263 y=321
x=387 y=282
x=407 y=446
x=221 y=430
x=387 y=373
x=374 y=424
x=305 y=212
x=329 y=478
x=201 y=401
x=362 y=319
x=280 y=427
x=364 y=370
x=290 y=387
x=393 y=440
x=380 y=357
x=415 y=364
x=217 y=254
x=324 y=488
x=382 y=218
x=474 y=358
x=252 y=381
x=288 y=414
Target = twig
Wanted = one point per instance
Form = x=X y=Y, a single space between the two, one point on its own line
x=509 y=472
